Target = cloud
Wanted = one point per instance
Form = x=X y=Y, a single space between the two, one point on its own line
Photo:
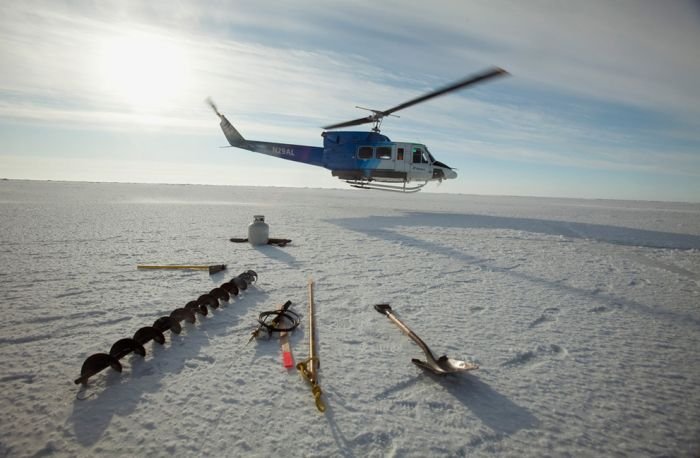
x=639 y=53
x=279 y=72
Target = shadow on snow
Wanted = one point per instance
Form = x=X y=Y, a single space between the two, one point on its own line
x=598 y=232
x=496 y=411
x=384 y=227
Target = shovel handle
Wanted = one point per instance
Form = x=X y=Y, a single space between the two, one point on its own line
x=385 y=309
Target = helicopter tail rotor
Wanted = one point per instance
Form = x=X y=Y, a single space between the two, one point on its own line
x=210 y=102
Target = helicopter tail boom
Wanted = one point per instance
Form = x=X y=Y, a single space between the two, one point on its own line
x=299 y=153
x=311 y=155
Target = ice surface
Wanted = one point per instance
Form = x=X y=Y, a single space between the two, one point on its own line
x=583 y=316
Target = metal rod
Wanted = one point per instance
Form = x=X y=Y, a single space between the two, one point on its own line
x=212 y=269
x=171 y=267
x=312 y=341
x=308 y=367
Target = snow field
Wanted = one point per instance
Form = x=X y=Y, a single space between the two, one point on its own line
x=582 y=315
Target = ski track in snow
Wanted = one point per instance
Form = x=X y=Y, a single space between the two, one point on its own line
x=583 y=316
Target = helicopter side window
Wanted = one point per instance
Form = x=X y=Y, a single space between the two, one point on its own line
x=399 y=154
x=384 y=152
x=365 y=152
x=419 y=156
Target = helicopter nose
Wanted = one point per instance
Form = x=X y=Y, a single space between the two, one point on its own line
x=450 y=174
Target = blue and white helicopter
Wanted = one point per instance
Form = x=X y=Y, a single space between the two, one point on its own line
x=367 y=160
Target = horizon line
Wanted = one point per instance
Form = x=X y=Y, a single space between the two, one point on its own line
x=612 y=199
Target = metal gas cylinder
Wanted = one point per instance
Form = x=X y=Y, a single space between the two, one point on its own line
x=258 y=231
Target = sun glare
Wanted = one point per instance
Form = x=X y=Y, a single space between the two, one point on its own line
x=146 y=71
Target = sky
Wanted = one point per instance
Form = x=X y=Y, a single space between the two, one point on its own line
x=603 y=100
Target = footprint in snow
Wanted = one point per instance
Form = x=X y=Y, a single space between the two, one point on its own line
x=536 y=356
x=548 y=315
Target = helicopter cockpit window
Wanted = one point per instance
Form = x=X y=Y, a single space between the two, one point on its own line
x=419 y=156
x=384 y=152
x=365 y=152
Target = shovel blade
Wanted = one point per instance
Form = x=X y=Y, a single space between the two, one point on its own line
x=445 y=366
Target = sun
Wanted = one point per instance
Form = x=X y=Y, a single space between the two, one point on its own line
x=145 y=70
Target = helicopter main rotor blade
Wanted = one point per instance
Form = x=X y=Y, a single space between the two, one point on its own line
x=378 y=115
x=452 y=87
x=354 y=122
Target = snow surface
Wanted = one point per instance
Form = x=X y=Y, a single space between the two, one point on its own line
x=583 y=316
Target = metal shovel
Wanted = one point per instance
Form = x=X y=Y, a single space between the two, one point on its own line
x=440 y=366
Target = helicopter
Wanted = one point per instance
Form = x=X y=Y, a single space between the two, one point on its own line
x=365 y=160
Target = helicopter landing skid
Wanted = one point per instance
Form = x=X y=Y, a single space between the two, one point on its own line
x=384 y=187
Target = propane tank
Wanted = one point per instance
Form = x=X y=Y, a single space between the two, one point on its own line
x=258 y=231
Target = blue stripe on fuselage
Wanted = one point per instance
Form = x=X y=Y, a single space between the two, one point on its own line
x=312 y=155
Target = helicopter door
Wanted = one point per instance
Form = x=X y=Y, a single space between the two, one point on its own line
x=402 y=159
x=420 y=169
